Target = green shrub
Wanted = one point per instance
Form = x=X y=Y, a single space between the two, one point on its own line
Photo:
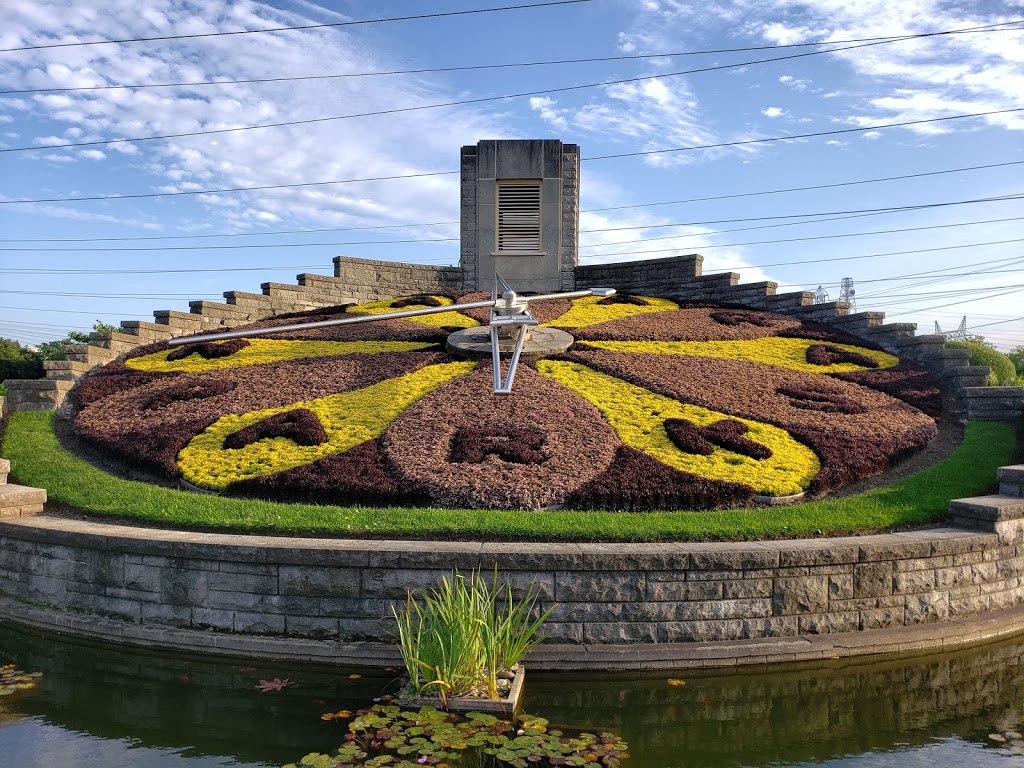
x=18 y=362
x=1004 y=373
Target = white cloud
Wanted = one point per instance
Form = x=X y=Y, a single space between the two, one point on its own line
x=393 y=145
x=92 y=154
x=774 y=112
x=871 y=135
x=545 y=108
x=796 y=83
x=947 y=74
x=650 y=115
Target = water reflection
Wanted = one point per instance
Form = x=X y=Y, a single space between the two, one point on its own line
x=98 y=705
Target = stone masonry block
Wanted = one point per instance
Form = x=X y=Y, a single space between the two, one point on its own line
x=319 y=582
x=800 y=595
x=926 y=608
x=872 y=579
x=598 y=587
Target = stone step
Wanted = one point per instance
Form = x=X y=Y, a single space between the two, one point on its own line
x=185 y=322
x=5 y=469
x=860 y=319
x=116 y=342
x=1011 y=481
x=784 y=302
x=985 y=512
x=147 y=332
x=65 y=370
x=89 y=353
x=20 y=500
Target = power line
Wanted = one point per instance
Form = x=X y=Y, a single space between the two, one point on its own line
x=753 y=242
x=798 y=136
x=954 y=303
x=221 y=191
x=447 y=223
x=292 y=29
x=892 y=209
x=857 y=214
x=821 y=261
x=483 y=99
x=131 y=296
x=1000 y=322
x=554 y=62
x=802 y=189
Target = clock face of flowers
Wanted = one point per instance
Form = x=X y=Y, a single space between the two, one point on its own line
x=655 y=406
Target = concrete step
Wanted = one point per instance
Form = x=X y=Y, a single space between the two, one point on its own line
x=116 y=342
x=20 y=500
x=65 y=370
x=89 y=353
x=5 y=469
x=1011 y=481
x=147 y=332
x=984 y=512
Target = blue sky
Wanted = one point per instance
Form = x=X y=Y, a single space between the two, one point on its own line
x=65 y=264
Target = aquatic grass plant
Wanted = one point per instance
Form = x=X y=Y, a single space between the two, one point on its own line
x=466 y=632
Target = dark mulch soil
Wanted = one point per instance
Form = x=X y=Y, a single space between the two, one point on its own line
x=634 y=482
x=360 y=475
x=693 y=324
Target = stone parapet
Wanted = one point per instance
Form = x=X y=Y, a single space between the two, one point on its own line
x=607 y=594
x=657 y=277
x=982 y=403
x=36 y=394
x=363 y=280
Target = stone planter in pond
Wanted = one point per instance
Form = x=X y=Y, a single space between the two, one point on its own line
x=506 y=706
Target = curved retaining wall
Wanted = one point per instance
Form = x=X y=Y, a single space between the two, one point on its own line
x=619 y=605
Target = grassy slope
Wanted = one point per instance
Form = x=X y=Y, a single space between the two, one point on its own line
x=38 y=459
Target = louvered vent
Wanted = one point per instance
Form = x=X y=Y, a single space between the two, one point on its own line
x=519 y=217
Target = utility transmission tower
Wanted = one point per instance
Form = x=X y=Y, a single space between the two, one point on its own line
x=820 y=295
x=847 y=293
x=960 y=334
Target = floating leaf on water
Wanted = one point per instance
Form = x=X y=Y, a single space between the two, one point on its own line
x=12 y=680
x=354 y=677
x=676 y=681
x=277 y=684
x=997 y=737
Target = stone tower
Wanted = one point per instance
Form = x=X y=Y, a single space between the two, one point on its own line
x=520 y=214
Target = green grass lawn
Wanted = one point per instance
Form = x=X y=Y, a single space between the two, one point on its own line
x=37 y=459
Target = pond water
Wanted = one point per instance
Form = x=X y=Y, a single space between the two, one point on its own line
x=105 y=706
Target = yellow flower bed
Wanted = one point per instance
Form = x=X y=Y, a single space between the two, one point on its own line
x=638 y=418
x=348 y=418
x=587 y=311
x=773 y=350
x=439 y=320
x=268 y=351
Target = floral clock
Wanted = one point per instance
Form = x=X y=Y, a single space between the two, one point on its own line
x=656 y=406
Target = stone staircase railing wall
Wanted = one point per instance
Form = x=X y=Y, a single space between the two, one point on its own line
x=678 y=277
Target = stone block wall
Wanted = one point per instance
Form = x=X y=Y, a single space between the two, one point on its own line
x=983 y=403
x=606 y=594
x=366 y=280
